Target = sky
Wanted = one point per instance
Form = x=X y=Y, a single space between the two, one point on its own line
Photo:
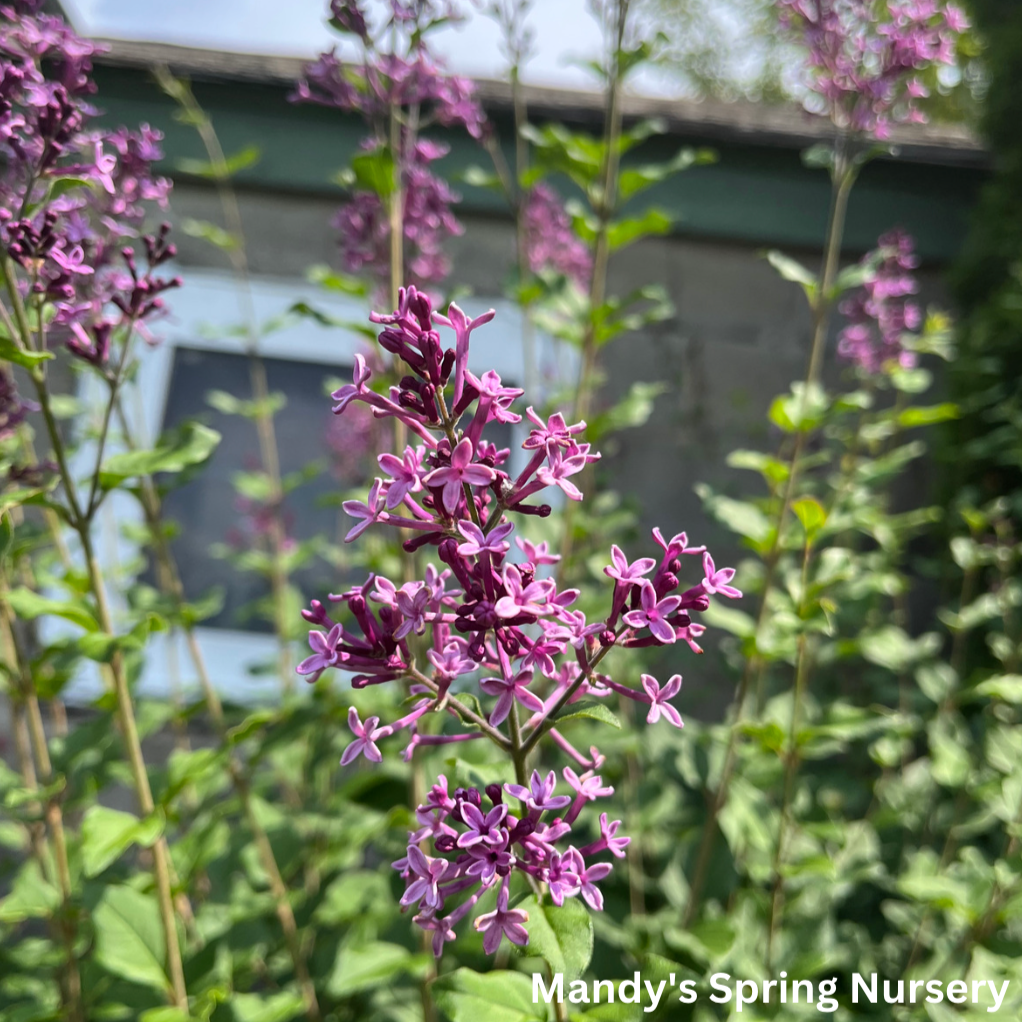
x=565 y=33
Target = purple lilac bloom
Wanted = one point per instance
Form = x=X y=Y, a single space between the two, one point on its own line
x=550 y=242
x=881 y=312
x=479 y=842
x=75 y=244
x=866 y=57
x=13 y=408
x=397 y=76
x=532 y=649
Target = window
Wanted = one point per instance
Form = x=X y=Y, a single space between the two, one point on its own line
x=202 y=351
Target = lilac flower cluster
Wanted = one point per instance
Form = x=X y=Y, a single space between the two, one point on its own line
x=550 y=241
x=70 y=195
x=13 y=407
x=364 y=225
x=479 y=848
x=486 y=621
x=405 y=86
x=880 y=313
x=866 y=57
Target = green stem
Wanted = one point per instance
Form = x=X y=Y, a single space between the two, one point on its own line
x=170 y=582
x=843 y=180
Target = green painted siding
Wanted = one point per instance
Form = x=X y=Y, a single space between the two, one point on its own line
x=758 y=195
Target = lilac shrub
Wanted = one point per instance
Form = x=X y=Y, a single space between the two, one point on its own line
x=491 y=623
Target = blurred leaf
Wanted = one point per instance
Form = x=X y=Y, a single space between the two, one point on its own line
x=213 y=233
x=1005 y=686
x=241 y=160
x=31 y=897
x=497 y=996
x=191 y=444
x=331 y=280
x=633 y=180
x=562 y=936
x=129 y=937
x=374 y=172
x=11 y=352
x=370 y=965
x=632 y=411
x=278 y=1007
x=794 y=271
x=912 y=417
x=810 y=512
x=29 y=605
x=625 y=232
x=108 y=833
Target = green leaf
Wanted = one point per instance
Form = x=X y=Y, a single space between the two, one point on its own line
x=476 y=177
x=738 y=515
x=374 y=172
x=190 y=445
x=794 y=271
x=811 y=514
x=11 y=352
x=588 y=711
x=912 y=417
x=129 y=937
x=101 y=646
x=819 y=157
x=893 y=648
x=498 y=996
x=370 y=965
x=911 y=381
x=800 y=411
x=625 y=232
x=266 y=1007
x=327 y=277
x=773 y=470
x=633 y=180
x=561 y=936
x=31 y=897
x=210 y=232
x=241 y=160
x=108 y=833
x=632 y=411
x=252 y=724
x=1005 y=686
x=29 y=605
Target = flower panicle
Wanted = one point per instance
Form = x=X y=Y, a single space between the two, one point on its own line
x=479 y=841
x=489 y=608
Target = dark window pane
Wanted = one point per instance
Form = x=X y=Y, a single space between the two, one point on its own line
x=208 y=509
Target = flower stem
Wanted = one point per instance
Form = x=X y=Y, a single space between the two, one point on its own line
x=30 y=738
x=842 y=182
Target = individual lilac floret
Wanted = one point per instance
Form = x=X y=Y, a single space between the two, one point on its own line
x=659 y=699
x=502 y=922
x=539 y=796
x=717 y=579
x=365 y=738
x=460 y=472
x=478 y=846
